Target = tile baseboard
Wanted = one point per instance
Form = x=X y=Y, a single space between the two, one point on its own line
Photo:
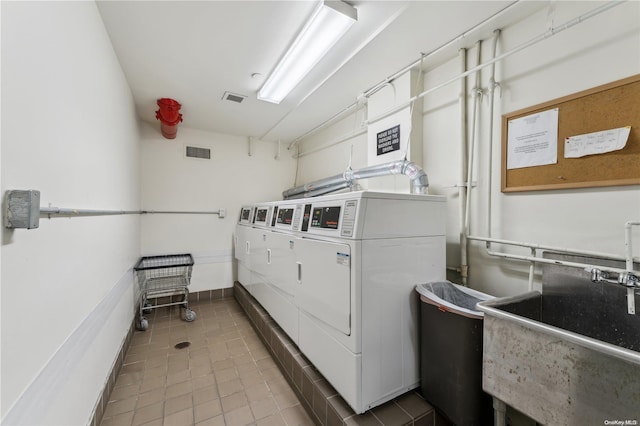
x=317 y=396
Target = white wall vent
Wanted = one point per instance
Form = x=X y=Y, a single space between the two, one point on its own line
x=198 y=152
x=233 y=97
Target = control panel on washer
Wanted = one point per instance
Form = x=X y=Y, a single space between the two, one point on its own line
x=246 y=215
x=262 y=216
x=335 y=218
x=286 y=216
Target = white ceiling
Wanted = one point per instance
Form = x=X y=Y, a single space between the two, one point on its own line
x=195 y=51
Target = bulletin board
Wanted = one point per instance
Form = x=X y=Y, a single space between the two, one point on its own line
x=611 y=106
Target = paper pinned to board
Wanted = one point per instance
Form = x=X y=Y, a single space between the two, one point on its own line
x=533 y=140
x=596 y=143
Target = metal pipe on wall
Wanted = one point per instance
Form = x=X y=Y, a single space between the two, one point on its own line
x=419 y=179
x=492 y=90
x=400 y=72
x=627 y=243
x=564 y=250
x=58 y=211
x=442 y=47
x=534 y=259
x=549 y=33
x=631 y=290
x=462 y=103
x=344 y=138
x=477 y=96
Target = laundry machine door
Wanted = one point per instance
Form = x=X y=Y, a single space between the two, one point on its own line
x=324 y=281
x=241 y=253
x=282 y=263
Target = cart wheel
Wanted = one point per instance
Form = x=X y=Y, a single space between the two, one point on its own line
x=148 y=307
x=189 y=315
x=142 y=324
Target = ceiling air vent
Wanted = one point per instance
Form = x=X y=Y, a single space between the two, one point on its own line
x=197 y=152
x=233 y=97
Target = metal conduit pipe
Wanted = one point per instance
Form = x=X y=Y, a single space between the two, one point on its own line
x=477 y=96
x=492 y=89
x=463 y=162
x=344 y=138
x=549 y=33
x=631 y=290
x=400 y=72
x=564 y=250
x=58 y=211
x=320 y=191
x=315 y=185
x=419 y=179
x=627 y=243
x=585 y=266
x=533 y=259
x=442 y=47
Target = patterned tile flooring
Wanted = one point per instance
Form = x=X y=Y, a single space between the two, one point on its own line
x=225 y=376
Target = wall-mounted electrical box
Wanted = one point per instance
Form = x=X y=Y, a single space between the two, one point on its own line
x=22 y=209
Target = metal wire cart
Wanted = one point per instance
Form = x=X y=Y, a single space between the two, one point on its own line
x=164 y=276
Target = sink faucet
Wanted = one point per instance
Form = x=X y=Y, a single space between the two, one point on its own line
x=600 y=276
x=628 y=279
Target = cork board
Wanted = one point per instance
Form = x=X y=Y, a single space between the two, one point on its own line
x=601 y=108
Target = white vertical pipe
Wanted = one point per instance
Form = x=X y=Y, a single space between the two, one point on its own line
x=492 y=89
x=532 y=269
x=462 y=103
x=470 y=155
x=631 y=298
x=627 y=244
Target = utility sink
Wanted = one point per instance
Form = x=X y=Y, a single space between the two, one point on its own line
x=567 y=356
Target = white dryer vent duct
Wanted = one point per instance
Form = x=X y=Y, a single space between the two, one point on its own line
x=419 y=180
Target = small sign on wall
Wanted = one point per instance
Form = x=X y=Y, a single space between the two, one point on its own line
x=388 y=140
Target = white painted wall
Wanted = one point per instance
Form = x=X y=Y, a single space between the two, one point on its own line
x=68 y=130
x=598 y=51
x=66 y=294
x=172 y=182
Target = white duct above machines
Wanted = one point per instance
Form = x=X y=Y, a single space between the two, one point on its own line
x=338 y=273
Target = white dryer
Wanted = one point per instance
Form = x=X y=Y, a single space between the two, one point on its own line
x=241 y=244
x=359 y=260
x=347 y=266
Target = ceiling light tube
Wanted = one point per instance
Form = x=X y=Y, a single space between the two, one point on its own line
x=328 y=23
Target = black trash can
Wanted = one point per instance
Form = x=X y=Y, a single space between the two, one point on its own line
x=451 y=352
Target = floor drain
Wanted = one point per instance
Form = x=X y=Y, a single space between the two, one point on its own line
x=182 y=345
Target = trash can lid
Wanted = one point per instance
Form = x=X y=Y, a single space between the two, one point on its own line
x=453 y=296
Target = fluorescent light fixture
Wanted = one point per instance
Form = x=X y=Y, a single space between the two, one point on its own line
x=328 y=23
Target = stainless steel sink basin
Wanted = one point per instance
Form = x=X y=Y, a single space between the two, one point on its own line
x=567 y=356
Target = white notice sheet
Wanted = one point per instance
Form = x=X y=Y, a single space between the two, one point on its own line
x=533 y=140
x=596 y=143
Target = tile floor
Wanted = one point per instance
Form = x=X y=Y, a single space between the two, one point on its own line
x=224 y=377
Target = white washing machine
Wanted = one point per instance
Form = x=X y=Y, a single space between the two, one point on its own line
x=241 y=245
x=349 y=264
x=266 y=265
